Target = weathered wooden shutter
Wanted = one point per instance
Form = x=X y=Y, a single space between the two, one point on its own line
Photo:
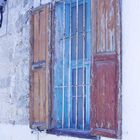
x=40 y=68
x=106 y=65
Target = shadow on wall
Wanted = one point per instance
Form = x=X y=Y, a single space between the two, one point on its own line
x=3 y=17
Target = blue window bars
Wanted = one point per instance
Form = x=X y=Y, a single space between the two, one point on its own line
x=72 y=64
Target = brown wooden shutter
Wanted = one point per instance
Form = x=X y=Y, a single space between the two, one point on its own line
x=40 y=65
x=106 y=65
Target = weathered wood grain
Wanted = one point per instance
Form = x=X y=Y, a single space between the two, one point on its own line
x=40 y=68
x=106 y=69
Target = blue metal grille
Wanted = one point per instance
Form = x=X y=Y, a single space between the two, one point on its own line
x=72 y=64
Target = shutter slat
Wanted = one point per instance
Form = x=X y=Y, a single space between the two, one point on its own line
x=106 y=76
x=42 y=109
x=42 y=35
x=36 y=37
x=36 y=96
x=40 y=69
x=48 y=61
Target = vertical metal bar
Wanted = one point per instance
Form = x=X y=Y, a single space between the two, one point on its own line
x=64 y=30
x=84 y=35
x=69 y=105
x=76 y=64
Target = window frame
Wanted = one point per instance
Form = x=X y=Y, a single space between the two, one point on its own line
x=82 y=134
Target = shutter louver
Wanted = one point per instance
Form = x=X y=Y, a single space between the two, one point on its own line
x=40 y=69
x=106 y=74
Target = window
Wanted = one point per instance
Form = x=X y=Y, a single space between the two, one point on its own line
x=72 y=64
x=76 y=67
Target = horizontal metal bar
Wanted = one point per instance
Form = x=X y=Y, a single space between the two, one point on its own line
x=72 y=35
x=79 y=96
x=72 y=86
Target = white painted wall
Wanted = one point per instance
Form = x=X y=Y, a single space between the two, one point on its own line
x=22 y=132
x=130 y=82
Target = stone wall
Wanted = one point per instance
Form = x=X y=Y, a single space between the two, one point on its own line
x=14 y=62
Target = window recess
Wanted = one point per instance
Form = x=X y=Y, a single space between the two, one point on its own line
x=75 y=68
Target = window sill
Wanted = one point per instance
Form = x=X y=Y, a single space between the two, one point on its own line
x=73 y=133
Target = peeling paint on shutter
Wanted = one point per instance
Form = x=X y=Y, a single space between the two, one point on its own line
x=40 y=68
x=106 y=69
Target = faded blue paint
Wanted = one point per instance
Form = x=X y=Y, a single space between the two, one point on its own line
x=58 y=68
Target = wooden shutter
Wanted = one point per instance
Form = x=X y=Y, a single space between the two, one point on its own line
x=40 y=69
x=106 y=65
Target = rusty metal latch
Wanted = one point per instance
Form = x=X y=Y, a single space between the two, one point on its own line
x=38 y=65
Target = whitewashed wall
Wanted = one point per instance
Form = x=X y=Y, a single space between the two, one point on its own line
x=14 y=82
